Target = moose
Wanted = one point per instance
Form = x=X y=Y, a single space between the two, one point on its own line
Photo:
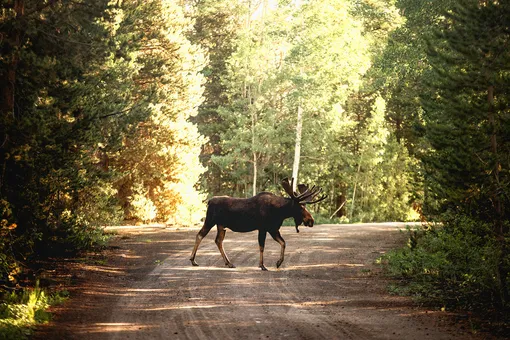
x=264 y=212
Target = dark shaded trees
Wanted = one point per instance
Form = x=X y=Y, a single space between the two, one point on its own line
x=466 y=112
x=97 y=100
x=462 y=144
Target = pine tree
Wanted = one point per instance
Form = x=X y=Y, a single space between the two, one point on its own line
x=90 y=83
x=216 y=27
x=49 y=125
x=158 y=162
x=466 y=109
x=467 y=118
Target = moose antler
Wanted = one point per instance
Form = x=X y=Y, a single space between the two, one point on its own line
x=287 y=186
x=322 y=198
x=306 y=195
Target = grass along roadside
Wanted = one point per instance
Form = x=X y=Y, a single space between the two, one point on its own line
x=21 y=311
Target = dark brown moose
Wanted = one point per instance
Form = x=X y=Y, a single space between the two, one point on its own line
x=264 y=212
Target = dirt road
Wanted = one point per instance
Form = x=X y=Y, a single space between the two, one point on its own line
x=327 y=288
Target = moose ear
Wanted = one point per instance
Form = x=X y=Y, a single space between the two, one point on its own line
x=302 y=188
x=287 y=186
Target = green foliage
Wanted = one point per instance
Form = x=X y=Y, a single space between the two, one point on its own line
x=453 y=265
x=8 y=265
x=142 y=207
x=297 y=55
x=51 y=125
x=457 y=103
x=159 y=159
x=19 y=312
x=216 y=26
x=380 y=166
x=466 y=111
x=96 y=98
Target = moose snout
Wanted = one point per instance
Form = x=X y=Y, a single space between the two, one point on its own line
x=308 y=222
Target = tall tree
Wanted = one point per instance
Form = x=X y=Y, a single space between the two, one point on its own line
x=91 y=83
x=466 y=115
x=216 y=27
x=54 y=69
x=159 y=159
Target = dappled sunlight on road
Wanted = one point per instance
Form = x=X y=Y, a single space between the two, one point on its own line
x=205 y=305
x=323 y=265
x=328 y=285
x=118 y=327
x=98 y=268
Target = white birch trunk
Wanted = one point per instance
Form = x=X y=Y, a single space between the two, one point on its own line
x=253 y=142
x=297 y=149
x=354 y=191
x=254 y=174
x=254 y=158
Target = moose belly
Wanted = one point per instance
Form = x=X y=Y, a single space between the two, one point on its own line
x=241 y=228
x=240 y=223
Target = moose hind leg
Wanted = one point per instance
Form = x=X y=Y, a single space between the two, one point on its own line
x=219 y=242
x=278 y=238
x=200 y=235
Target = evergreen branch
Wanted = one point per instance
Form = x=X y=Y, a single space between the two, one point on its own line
x=313 y=158
x=120 y=112
x=5 y=141
x=115 y=113
x=63 y=39
x=41 y=7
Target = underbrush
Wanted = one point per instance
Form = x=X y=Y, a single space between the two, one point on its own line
x=459 y=264
x=20 y=311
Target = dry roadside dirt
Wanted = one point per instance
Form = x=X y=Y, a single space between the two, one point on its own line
x=329 y=287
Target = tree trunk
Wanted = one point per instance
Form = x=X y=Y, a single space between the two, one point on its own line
x=354 y=190
x=11 y=51
x=498 y=206
x=340 y=201
x=253 y=141
x=297 y=149
x=494 y=148
x=254 y=189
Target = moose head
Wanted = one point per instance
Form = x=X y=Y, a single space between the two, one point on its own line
x=305 y=195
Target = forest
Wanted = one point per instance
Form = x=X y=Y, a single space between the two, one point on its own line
x=131 y=111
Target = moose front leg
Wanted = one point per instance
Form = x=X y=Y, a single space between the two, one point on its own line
x=219 y=242
x=278 y=238
x=262 y=242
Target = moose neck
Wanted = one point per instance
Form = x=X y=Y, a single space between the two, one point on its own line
x=289 y=207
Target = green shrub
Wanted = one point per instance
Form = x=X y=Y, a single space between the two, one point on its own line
x=455 y=264
x=8 y=264
x=21 y=311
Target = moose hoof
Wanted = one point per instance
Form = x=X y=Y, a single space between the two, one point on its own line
x=230 y=265
x=263 y=268
x=193 y=262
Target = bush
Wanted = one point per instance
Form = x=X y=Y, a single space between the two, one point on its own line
x=143 y=208
x=456 y=265
x=80 y=227
x=20 y=311
x=8 y=264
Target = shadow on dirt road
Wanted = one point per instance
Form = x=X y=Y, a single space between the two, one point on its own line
x=327 y=288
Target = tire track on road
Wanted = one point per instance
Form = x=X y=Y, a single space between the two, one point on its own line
x=320 y=292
